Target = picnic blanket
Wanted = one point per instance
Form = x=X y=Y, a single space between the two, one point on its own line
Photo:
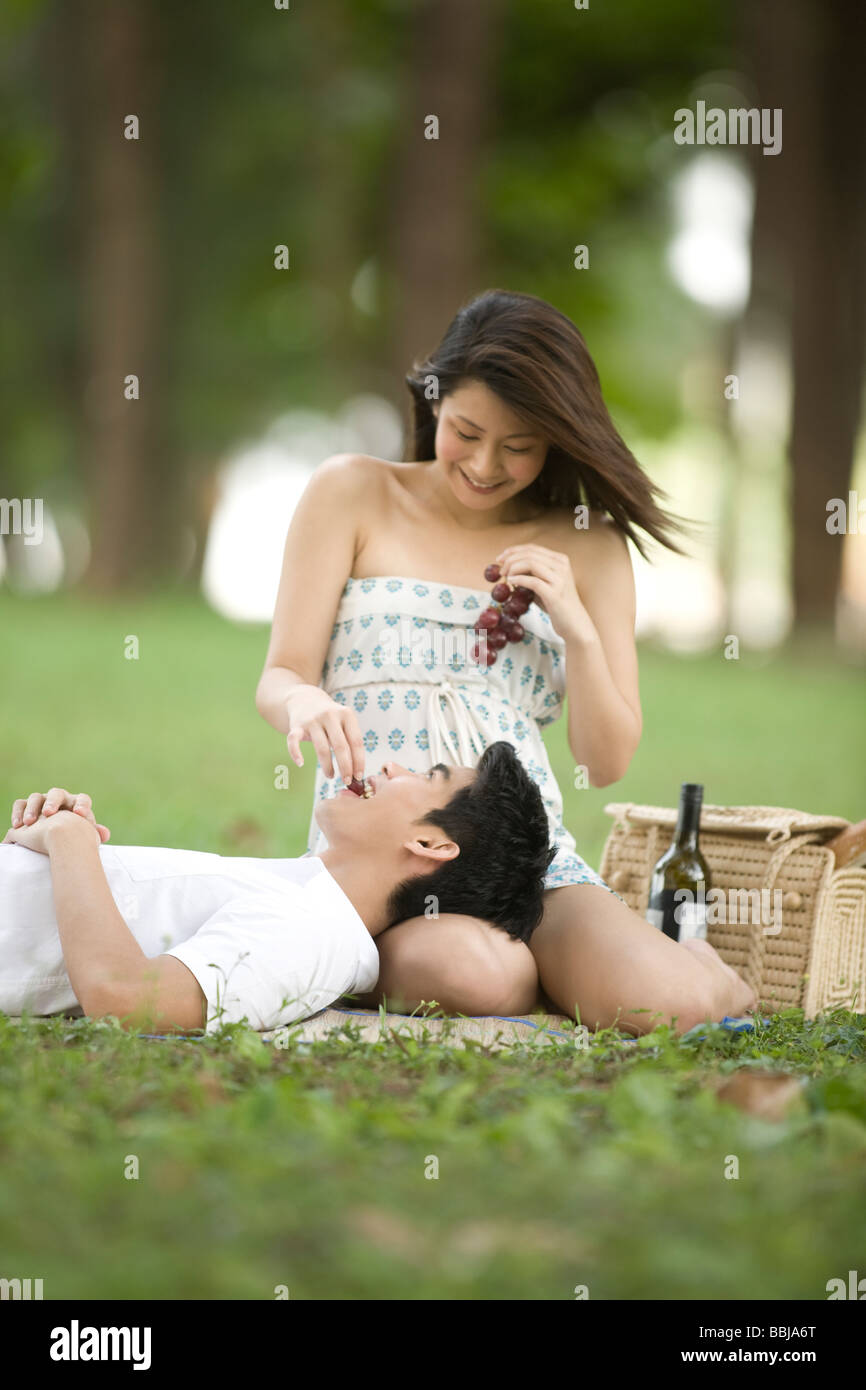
x=492 y=1032
x=369 y=1025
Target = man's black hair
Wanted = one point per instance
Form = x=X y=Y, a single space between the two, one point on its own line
x=501 y=826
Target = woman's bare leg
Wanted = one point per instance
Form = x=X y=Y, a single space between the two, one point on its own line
x=465 y=965
x=596 y=959
x=603 y=963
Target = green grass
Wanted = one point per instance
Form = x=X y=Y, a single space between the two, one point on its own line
x=259 y=1167
x=305 y=1167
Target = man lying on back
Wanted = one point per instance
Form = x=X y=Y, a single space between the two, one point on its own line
x=176 y=939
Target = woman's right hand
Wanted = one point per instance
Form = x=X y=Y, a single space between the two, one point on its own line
x=332 y=729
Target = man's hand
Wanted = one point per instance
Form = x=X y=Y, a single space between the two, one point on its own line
x=28 y=809
x=39 y=837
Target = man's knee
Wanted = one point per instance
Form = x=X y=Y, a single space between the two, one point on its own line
x=504 y=978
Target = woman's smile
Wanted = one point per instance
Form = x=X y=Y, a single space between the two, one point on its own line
x=478 y=487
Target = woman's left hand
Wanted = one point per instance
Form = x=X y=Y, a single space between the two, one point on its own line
x=549 y=575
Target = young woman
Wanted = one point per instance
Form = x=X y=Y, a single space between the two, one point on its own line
x=515 y=461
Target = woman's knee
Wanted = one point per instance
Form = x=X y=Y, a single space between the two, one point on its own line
x=604 y=962
x=461 y=963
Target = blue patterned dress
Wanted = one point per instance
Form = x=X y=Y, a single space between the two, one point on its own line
x=400 y=657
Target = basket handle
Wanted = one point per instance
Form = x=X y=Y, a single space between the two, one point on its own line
x=849 y=846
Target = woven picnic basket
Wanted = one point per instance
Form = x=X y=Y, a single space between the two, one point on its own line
x=814 y=953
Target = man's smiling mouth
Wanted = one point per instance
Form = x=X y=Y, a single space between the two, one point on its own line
x=365 y=790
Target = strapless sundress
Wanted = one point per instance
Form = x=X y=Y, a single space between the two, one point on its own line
x=400 y=657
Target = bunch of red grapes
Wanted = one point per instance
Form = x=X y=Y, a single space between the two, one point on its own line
x=501 y=621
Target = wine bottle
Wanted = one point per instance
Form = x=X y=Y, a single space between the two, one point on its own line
x=682 y=914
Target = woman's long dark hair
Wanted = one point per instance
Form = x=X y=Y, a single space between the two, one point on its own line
x=534 y=359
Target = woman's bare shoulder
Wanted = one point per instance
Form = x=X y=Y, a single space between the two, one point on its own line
x=361 y=472
x=378 y=490
x=349 y=470
x=588 y=537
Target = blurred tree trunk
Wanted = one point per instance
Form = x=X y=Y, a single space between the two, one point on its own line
x=829 y=285
x=812 y=214
x=436 y=221
x=129 y=492
x=330 y=169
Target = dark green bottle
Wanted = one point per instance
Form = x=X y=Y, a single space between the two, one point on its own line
x=682 y=867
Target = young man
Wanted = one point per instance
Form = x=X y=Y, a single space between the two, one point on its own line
x=176 y=939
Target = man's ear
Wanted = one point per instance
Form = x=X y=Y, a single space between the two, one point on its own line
x=432 y=843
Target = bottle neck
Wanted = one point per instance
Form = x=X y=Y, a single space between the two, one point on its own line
x=688 y=820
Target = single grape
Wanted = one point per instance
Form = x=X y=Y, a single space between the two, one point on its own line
x=488 y=619
x=496 y=639
x=492 y=573
x=524 y=594
x=514 y=607
x=500 y=592
x=516 y=632
x=355 y=786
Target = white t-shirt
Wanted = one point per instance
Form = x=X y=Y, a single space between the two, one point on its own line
x=269 y=940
